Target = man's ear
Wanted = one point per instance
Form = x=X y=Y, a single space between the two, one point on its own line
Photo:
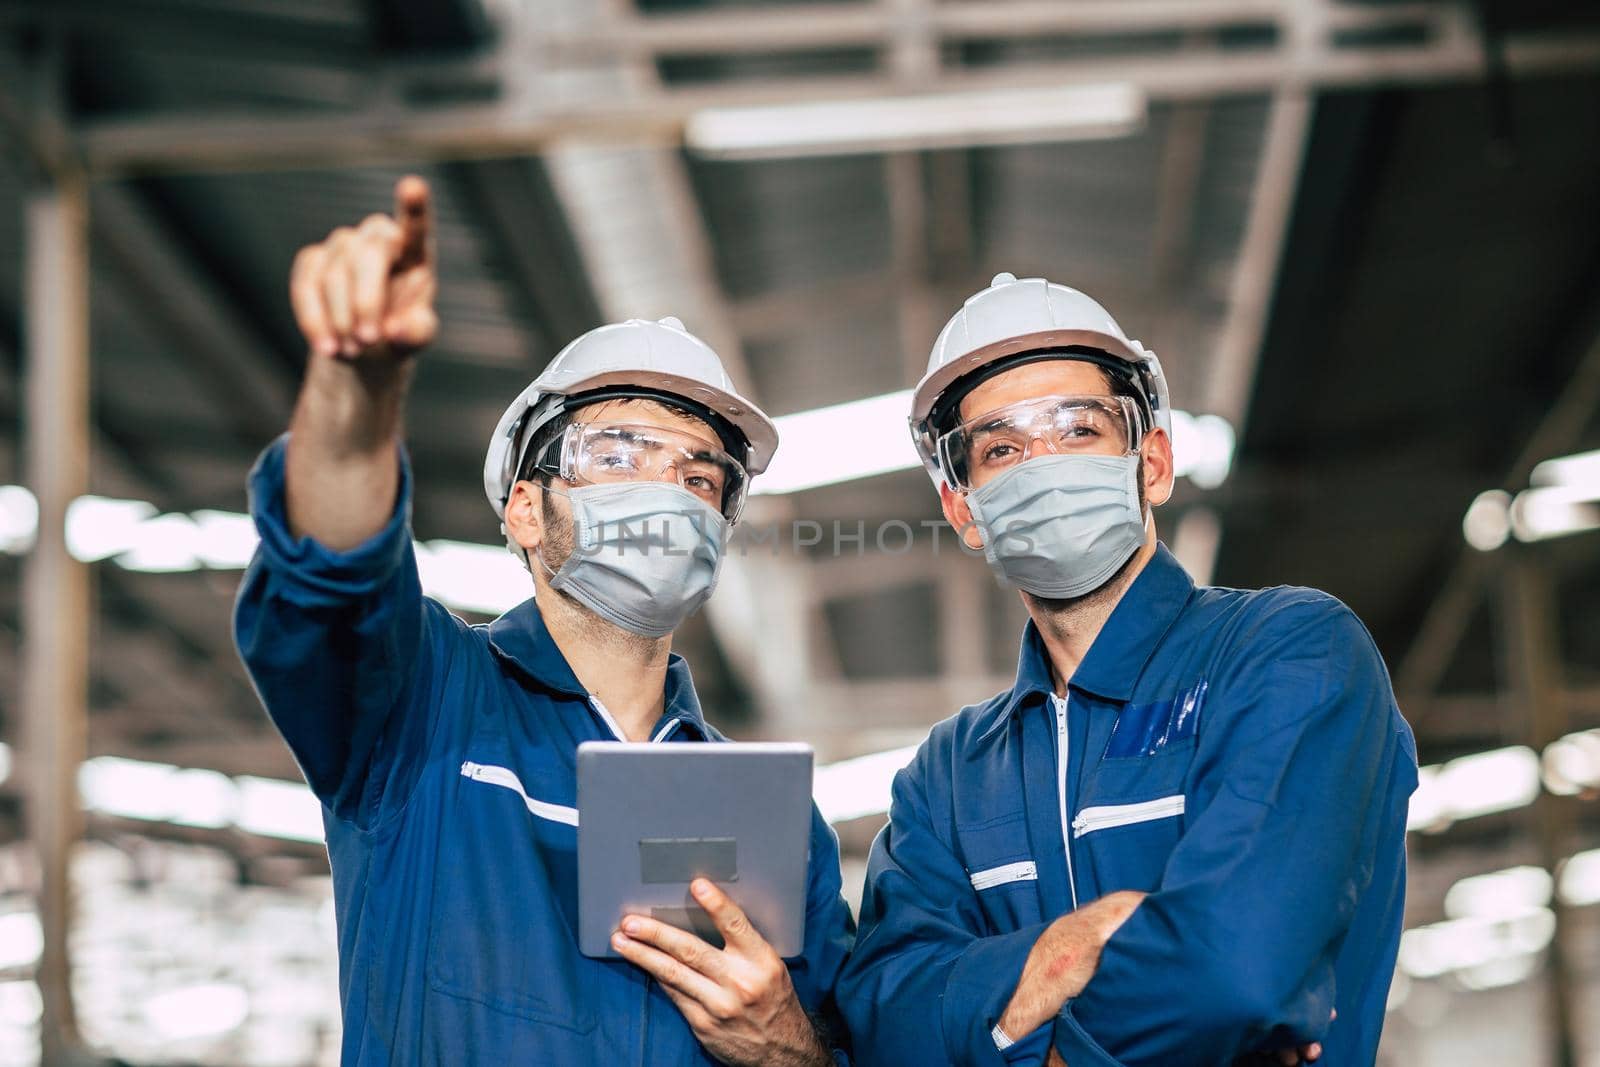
x=522 y=515
x=1158 y=468
x=959 y=516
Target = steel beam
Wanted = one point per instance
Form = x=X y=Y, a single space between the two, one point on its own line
x=1530 y=654
x=225 y=355
x=525 y=123
x=1429 y=656
x=824 y=26
x=56 y=594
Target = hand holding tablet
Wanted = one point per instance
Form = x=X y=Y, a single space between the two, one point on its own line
x=654 y=817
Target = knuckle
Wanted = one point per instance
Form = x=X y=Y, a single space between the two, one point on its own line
x=774 y=972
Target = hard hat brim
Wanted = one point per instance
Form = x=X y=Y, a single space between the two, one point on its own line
x=933 y=385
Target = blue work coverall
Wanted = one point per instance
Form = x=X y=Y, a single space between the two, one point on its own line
x=1236 y=755
x=445 y=759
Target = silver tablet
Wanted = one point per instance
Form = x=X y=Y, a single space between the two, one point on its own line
x=653 y=817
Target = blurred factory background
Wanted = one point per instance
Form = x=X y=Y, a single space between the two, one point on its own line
x=1364 y=238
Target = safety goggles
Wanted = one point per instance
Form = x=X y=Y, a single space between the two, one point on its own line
x=989 y=444
x=606 y=453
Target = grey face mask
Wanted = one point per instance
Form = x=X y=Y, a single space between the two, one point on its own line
x=645 y=554
x=1060 y=526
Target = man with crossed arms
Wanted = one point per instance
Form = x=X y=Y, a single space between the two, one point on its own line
x=1179 y=838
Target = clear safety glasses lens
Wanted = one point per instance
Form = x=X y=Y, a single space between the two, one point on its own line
x=607 y=453
x=991 y=443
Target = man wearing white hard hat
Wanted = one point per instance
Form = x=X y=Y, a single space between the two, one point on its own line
x=1179 y=837
x=444 y=754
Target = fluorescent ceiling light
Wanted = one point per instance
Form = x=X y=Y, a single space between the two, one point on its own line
x=157 y=792
x=21 y=1005
x=98 y=527
x=481 y=578
x=1554 y=511
x=1580 y=879
x=1487 y=524
x=21 y=940
x=1467 y=944
x=19 y=519
x=1480 y=784
x=1563 y=498
x=863 y=438
x=1499 y=894
x=1580 y=471
x=840 y=443
x=1202 y=448
x=276 y=808
x=468 y=577
x=918 y=122
x=203 y=1010
x=1571 y=764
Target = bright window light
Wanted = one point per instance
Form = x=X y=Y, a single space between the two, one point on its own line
x=98 y=527
x=21 y=1005
x=158 y=792
x=275 y=808
x=1498 y=973
x=925 y=121
x=855 y=788
x=163 y=544
x=21 y=940
x=204 y=1010
x=481 y=578
x=227 y=539
x=1499 y=894
x=841 y=443
x=5 y=762
x=1466 y=944
x=1488 y=782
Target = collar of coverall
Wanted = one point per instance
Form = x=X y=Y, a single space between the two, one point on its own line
x=1118 y=656
x=521 y=638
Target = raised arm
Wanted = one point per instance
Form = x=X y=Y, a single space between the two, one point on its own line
x=330 y=621
x=364 y=301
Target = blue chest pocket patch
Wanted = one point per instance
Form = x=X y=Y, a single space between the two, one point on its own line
x=1151 y=729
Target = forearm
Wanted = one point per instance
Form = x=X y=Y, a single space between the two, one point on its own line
x=342 y=469
x=1063 y=960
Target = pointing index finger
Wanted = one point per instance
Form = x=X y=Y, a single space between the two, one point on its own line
x=413 y=210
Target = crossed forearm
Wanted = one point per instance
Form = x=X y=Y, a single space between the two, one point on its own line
x=1063 y=960
x=1067 y=955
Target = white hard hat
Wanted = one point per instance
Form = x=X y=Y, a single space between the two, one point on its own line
x=653 y=357
x=1014 y=318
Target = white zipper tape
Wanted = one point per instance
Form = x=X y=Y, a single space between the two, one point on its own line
x=1108 y=815
x=506 y=779
x=1025 y=871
